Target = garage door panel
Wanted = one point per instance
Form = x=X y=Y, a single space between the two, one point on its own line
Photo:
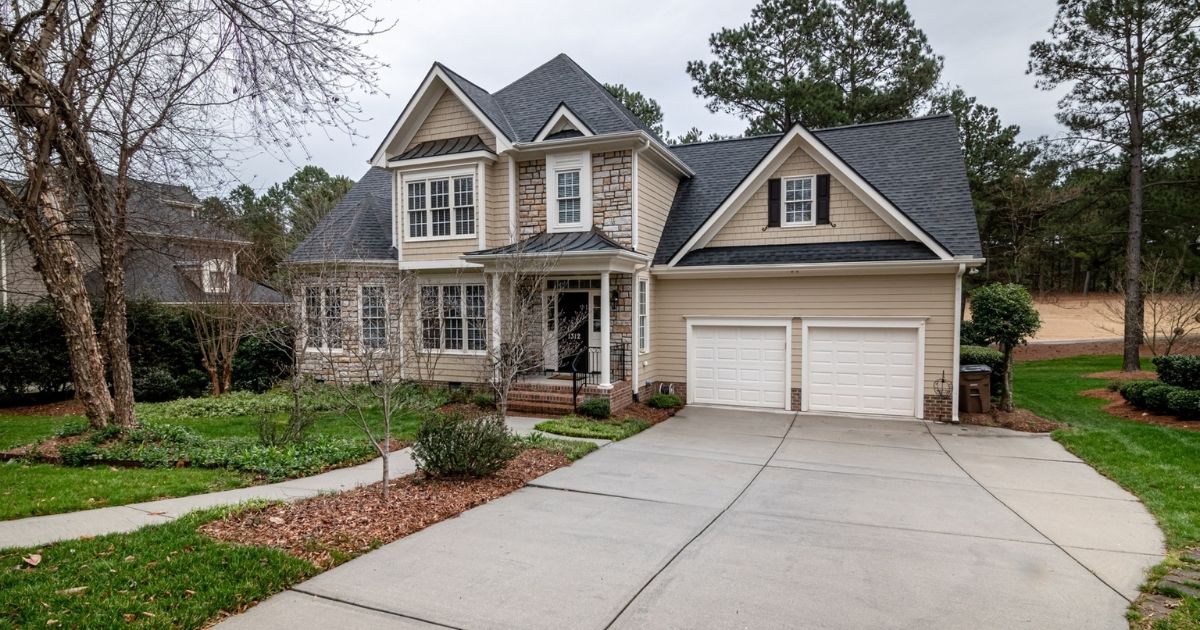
x=862 y=370
x=739 y=365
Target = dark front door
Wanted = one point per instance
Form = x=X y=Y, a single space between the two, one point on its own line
x=573 y=331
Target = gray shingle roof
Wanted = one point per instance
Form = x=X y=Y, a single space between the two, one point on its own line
x=591 y=241
x=916 y=164
x=865 y=251
x=152 y=275
x=358 y=228
x=449 y=146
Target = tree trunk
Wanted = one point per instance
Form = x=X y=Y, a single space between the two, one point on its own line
x=47 y=232
x=116 y=338
x=1133 y=256
x=1006 y=399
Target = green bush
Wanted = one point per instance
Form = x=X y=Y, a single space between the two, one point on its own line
x=1156 y=397
x=664 y=401
x=484 y=400
x=980 y=355
x=597 y=408
x=1180 y=370
x=263 y=359
x=455 y=446
x=1134 y=392
x=971 y=335
x=1184 y=404
x=79 y=454
x=72 y=428
x=33 y=352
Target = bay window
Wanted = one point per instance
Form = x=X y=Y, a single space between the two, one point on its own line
x=323 y=318
x=374 y=317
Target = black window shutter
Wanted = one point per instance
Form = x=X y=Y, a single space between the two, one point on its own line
x=822 y=200
x=773 y=203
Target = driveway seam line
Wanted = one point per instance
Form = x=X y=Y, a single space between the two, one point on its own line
x=373 y=608
x=808 y=467
x=1026 y=521
x=612 y=496
x=700 y=533
x=900 y=529
x=906 y=448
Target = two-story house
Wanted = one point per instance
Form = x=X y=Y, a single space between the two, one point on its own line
x=814 y=270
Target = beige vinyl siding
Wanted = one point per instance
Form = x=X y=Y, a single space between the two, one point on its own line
x=850 y=219
x=647 y=371
x=497 y=202
x=656 y=191
x=449 y=118
x=918 y=295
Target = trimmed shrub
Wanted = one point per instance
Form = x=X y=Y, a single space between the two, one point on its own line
x=971 y=335
x=1156 y=397
x=1134 y=392
x=33 y=352
x=484 y=400
x=1180 y=370
x=1184 y=404
x=664 y=401
x=598 y=408
x=455 y=446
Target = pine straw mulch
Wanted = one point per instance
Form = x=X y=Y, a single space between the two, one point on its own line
x=1118 y=375
x=60 y=408
x=45 y=451
x=1017 y=420
x=329 y=529
x=1118 y=407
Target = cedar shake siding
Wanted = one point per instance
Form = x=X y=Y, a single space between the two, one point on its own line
x=451 y=119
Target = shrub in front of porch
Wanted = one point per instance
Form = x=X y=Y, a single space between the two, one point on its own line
x=454 y=445
x=598 y=408
x=664 y=401
x=575 y=426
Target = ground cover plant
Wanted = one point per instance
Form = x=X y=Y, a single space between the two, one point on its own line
x=576 y=426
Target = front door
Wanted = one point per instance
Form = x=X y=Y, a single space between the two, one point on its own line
x=573 y=330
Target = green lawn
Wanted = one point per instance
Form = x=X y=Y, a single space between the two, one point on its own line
x=34 y=490
x=165 y=576
x=575 y=426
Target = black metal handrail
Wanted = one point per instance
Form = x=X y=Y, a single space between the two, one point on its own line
x=589 y=377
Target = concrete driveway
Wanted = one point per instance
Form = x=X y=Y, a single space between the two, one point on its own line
x=720 y=518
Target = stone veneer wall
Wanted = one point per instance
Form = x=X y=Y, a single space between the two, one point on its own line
x=621 y=321
x=321 y=364
x=531 y=197
x=612 y=195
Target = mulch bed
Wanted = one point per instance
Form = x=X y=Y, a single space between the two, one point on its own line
x=1118 y=375
x=60 y=408
x=44 y=451
x=328 y=529
x=1118 y=407
x=646 y=412
x=466 y=410
x=1018 y=420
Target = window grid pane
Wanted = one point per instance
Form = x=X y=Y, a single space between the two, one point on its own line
x=333 y=317
x=430 y=323
x=312 y=316
x=374 y=317
x=417 y=216
x=439 y=203
x=569 y=209
x=798 y=195
x=476 y=317
x=643 y=316
x=464 y=206
x=452 y=320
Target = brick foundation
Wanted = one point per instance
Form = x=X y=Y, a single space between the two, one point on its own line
x=938 y=408
x=795 y=399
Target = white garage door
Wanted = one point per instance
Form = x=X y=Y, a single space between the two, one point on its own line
x=862 y=370
x=739 y=365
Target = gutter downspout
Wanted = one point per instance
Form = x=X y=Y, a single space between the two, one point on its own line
x=958 y=313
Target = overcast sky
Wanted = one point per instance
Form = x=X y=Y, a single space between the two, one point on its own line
x=645 y=44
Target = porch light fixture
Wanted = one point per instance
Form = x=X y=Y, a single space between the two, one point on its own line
x=613 y=299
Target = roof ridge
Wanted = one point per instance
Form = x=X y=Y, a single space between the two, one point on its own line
x=738 y=139
x=886 y=122
x=499 y=105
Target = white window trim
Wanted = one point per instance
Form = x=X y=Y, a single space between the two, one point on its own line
x=463 y=284
x=812 y=215
x=643 y=302
x=427 y=176
x=912 y=323
x=362 y=304
x=324 y=347
x=561 y=162
x=210 y=266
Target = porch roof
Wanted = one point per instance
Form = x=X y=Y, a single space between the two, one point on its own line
x=592 y=241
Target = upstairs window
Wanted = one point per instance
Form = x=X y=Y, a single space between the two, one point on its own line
x=798 y=201
x=441 y=207
x=569 y=191
x=215 y=276
x=323 y=318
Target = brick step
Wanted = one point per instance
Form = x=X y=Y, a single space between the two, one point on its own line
x=530 y=406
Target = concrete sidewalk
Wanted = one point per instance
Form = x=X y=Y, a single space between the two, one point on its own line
x=40 y=530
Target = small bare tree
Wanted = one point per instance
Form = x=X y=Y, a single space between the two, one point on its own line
x=1171 y=307
x=522 y=333
x=363 y=361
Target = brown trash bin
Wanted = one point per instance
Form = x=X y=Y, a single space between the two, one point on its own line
x=975 y=389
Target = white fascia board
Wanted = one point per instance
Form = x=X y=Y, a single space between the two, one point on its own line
x=858 y=186
x=562 y=113
x=533 y=149
x=438 y=264
x=809 y=269
x=422 y=102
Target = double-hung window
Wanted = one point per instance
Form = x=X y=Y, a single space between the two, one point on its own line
x=798 y=201
x=568 y=197
x=323 y=317
x=454 y=317
x=643 y=315
x=374 y=317
x=441 y=207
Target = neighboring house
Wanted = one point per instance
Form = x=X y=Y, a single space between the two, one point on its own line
x=175 y=256
x=814 y=270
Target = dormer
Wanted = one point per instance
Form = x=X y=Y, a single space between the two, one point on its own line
x=563 y=123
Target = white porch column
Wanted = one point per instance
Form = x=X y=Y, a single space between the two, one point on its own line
x=605 y=334
x=496 y=314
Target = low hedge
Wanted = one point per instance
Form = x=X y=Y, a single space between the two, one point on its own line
x=1180 y=370
x=1161 y=398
